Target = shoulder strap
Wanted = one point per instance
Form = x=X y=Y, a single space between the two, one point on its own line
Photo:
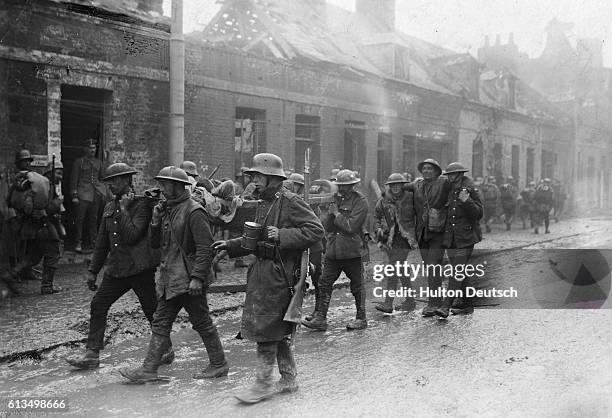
x=180 y=247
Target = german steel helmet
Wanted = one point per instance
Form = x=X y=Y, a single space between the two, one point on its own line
x=396 y=178
x=429 y=161
x=23 y=154
x=267 y=164
x=190 y=168
x=58 y=165
x=297 y=178
x=509 y=178
x=118 y=169
x=173 y=173
x=334 y=173
x=455 y=168
x=346 y=177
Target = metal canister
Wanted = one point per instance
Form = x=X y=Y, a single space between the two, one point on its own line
x=251 y=233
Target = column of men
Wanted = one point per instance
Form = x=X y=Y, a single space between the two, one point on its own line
x=435 y=214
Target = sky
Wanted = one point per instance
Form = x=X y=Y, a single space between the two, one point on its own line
x=461 y=25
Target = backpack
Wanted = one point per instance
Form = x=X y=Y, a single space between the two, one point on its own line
x=30 y=191
x=507 y=192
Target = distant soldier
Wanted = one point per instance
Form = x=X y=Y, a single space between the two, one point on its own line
x=461 y=233
x=55 y=173
x=543 y=199
x=180 y=228
x=35 y=206
x=525 y=204
x=343 y=223
x=296 y=183
x=192 y=171
x=508 y=196
x=124 y=247
x=560 y=194
x=491 y=197
x=289 y=228
x=87 y=191
x=478 y=181
x=394 y=225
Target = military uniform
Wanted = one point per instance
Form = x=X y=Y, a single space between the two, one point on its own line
x=461 y=233
x=543 y=200
x=491 y=195
x=86 y=186
x=508 y=195
x=394 y=226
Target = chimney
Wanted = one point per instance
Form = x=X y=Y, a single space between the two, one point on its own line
x=381 y=11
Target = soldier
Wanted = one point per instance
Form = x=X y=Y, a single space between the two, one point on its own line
x=296 y=181
x=192 y=171
x=560 y=196
x=87 y=192
x=491 y=196
x=394 y=227
x=180 y=227
x=462 y=231
x=35 y=205
x=55 y=173
x=543 y=199
x=131 y=265
x=289 y=228
x=526 y=204
x=343 y=224
x=430 y=197
x=508 y=195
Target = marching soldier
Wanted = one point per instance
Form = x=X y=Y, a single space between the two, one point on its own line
x=394 y=227
x=543 y=199
x=35 y=204
x=343 y=225
x=560 y=194
x=508 y=194
x=180 y=228
x=490 y=192
x=462 y=231
x=526 y=207
x=430 y=197
x=130 y=262
x=289 y=227
x=87 y=192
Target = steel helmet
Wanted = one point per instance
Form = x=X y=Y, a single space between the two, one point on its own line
x=58 y=165
x=509 y=178
x=346 y=177
x=23 y=154
x=429 y=161
x=118 y=169
x=334 y=173
x=297 y=178
x=268 y=165
x=190 y=168
x=396 y=178
x=173 y=173
x=546 y=180
x=455 y=167
x=492 y=179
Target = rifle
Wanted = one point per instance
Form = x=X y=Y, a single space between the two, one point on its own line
x=214 y=172
x=56 y=219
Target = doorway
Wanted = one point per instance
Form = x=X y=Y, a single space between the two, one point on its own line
x=82 y=117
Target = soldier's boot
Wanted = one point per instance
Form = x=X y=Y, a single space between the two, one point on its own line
x=386 y=306
x=91 y=360
x=263 y=387
x=168 y=356
x=217 y=366
x=319 y=321
x=434 y=284
x=148 y=371
x=10 y=279
x=467 y=303
x=360 y=321
x=286 y=367
x=46 y=286
x=408 y=305
x=316 y=307
x=30 y=275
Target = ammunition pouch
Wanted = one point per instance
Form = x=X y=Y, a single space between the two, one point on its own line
x=266 y=250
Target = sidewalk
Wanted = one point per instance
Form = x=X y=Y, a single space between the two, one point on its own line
x=32 y=324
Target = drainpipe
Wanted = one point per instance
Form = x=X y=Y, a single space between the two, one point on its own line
x=176 y=144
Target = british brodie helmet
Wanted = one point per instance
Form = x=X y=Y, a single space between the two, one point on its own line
x=346 y=177
x=432 y=162
x=118 y=169
x=173 y=173
x=455 y=168
x=396 y=178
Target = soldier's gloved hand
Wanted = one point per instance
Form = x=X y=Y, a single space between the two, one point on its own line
x=195 y=287
x=157 y=212
x=91 y=281
x=464 y=195
x=219 y=245
x=273 y=234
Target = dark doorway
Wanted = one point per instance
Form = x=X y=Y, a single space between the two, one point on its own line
x=308 y=135
x=82 y=117
x=354 y=146
x=250 y=136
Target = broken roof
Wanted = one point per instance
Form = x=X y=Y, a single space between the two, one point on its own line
x=149 y=11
